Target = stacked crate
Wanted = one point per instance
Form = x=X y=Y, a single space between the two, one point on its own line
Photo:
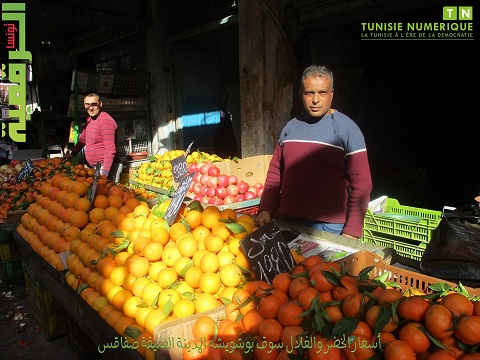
x=406 y=229
x=11 y=263
x=44 y=306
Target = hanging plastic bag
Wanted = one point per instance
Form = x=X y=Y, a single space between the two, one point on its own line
x=453 y=252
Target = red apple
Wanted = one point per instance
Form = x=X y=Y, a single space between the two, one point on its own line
x=196 y=188
x=222 y=180
x=260 y=191
x=240 y=197
x=215 y=201
x=232 y=179
x=204 y=168
x=197 y=177
x=213 y=170
x=212 y=182
x=220 y=192
x=249 y=195
x=203 y=190
x=229 y=199
x=204 y=179
x=192 y=167
x=232 y=190
x=243 y=187
x=211 y=192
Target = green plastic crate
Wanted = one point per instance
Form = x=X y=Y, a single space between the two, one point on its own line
x=408 y=248
x=403 y=221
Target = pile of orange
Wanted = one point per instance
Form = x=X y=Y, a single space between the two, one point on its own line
x=16 y=196
x=61 y=214
x=128 y=263
x=317 y=311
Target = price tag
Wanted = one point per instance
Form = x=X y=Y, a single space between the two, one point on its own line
x=179 y=168
x=95 y=182
x=25 y=171
x=267 y=252
x=177 y=199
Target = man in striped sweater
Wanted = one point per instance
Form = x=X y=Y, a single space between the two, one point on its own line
x=98 y=138
x=319 y=175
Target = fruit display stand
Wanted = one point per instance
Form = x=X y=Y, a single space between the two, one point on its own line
x=74 y=306
x=251 y=171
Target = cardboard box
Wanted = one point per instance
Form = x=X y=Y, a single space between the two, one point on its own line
x=170 y=336
x=251 y=169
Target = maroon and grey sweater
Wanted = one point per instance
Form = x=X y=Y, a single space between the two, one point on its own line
x=98 y=138
x=320 y=171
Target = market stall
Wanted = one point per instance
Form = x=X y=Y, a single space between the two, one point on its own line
x=129 y=272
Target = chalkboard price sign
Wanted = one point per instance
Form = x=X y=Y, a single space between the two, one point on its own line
x=177 y=199
x=267 y=252
x=25 y=171
x=179 y=168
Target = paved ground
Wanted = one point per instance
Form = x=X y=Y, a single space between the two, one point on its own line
x=21 y=333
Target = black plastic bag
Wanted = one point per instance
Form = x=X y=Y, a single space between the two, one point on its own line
x=453 y=252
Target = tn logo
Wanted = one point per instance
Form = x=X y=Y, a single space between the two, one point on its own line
x=3 y=132
x=458 y=13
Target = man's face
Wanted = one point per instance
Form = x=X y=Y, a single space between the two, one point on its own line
x=317 y=95
x=93 y=106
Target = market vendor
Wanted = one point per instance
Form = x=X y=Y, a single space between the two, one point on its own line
x=98 y=138
x=319 y=175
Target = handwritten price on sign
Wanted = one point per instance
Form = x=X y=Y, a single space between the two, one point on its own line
x=267 y=252
x=179 y=168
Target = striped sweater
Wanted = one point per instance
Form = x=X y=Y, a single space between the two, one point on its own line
x=98 y=138
x=320 y=171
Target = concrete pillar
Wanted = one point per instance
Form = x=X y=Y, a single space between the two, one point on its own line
x=267 y=75
x=161 y=98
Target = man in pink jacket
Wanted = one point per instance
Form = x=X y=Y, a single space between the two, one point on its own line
x=98 y=138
